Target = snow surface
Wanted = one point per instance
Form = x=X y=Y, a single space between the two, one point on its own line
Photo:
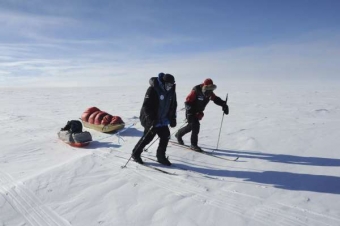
x=286 y=135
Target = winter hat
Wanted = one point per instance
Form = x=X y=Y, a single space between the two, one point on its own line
x=208 y=85
x=169 y=78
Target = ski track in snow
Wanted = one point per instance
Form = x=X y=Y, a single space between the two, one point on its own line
x=27 y=204
x=262 y=211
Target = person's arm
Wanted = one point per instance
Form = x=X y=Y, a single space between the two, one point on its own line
x=218 y=101
x=149 y=105
x=190 y=100
x=173 y=109
x=189 y=105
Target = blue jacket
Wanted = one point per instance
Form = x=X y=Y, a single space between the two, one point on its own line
x=159 y=106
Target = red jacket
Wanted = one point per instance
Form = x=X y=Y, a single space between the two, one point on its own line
x=196 y=101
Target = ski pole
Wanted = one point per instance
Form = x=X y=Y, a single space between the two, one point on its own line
x=146 y=149
x=118 y=133
x=138 y=145
x=219 y=134
x=122 y=131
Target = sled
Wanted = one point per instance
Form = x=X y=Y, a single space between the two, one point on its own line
x=109 y=128
x=81 y=139
x=78 y=145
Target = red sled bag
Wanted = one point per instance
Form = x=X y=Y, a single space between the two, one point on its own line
x=102 y=121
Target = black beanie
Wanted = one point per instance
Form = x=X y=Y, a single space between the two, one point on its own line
x=169 y=78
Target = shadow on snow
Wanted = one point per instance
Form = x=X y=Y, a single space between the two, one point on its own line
x=282 y=158
x=282 y=180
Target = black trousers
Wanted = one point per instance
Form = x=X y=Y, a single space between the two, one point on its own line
x=164 y=136
x=194 y=128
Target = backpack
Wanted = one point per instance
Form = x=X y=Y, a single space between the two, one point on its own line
x=73 y=126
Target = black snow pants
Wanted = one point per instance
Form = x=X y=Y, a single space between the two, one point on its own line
x=194 y=128
x=163 y=134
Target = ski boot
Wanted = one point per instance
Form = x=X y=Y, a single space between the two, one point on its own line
x=137 y=159
x=196 y=148
x=163 y=160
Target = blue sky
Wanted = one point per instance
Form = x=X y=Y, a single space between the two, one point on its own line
x=63 y=41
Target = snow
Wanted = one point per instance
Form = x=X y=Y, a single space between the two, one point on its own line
x=286 y=135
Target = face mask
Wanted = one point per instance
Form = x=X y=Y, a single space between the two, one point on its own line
x=207 y=93
x=168 y=86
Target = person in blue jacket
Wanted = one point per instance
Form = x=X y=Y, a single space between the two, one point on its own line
x=157 y=113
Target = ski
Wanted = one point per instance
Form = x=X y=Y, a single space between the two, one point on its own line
x=157 y=169
x=204 y=152
x=150 y=167
x=182 y=168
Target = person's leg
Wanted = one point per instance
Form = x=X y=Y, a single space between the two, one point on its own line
x=143 y=141
x=195 y=132
x=181 y=132
x=164 y=135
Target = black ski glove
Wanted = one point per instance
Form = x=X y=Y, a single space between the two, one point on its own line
x=225 y=109
x=173 y=123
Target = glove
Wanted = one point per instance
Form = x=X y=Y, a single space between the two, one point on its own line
x=199 y=115
x=173 y=123
x=225 y=109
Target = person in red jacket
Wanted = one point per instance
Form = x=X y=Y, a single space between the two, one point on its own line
x=195 y=104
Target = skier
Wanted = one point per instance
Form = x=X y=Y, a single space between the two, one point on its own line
x=195 y=104
x=158 y=111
